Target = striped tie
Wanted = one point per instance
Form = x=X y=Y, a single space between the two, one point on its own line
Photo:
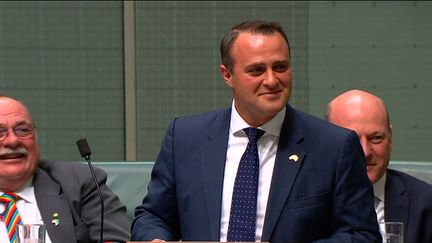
x=11 y=217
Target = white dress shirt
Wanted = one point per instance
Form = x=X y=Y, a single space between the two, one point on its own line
x=267 y=147
x=27 y=208
x=379 y=192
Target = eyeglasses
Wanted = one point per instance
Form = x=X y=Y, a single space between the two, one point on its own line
x=24 y=130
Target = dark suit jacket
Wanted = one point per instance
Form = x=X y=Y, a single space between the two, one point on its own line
x=326 y=194
x=67 y=188
x=409 y=200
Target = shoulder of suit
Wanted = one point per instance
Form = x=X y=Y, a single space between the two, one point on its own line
x=314 y=124
x=69 y=166
x=410 y=182
x=203 y=120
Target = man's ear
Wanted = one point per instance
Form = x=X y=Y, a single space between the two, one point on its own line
x=226 y=74
x=391 y=133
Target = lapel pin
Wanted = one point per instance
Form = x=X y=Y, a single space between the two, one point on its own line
x=293 y=157
x=56 y=220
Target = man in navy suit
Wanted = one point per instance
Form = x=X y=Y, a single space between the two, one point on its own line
x=312 y=176
x=398 y=196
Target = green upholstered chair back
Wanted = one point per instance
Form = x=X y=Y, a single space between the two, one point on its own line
x=421 y=170
x=129 y=179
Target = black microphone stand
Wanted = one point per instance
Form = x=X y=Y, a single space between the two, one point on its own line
x=85 y=153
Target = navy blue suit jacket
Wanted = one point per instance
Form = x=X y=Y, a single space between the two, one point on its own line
x=409 y=200
x=326 y=194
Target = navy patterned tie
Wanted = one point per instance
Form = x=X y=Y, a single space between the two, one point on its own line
x=244 y=200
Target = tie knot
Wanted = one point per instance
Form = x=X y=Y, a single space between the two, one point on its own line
x=253 y=134
x=9 y=197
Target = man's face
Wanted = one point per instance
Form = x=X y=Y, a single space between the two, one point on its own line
x=18 y=155
x=369 y=121
x=261 y=77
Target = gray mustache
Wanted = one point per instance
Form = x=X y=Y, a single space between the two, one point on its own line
x=7 y=151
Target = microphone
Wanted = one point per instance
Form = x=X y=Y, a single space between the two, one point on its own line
x=85 y=152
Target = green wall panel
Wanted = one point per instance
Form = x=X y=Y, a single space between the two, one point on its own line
x=381 y=47
x=65 y=61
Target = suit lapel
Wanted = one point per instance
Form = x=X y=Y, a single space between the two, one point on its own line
x=396 y=200
x=213 y=166
x=288 y=162
x=51 y=200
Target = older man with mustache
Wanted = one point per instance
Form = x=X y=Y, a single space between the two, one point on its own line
x=60 y=195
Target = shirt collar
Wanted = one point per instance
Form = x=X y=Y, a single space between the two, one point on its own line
x=26 y=192
x=272 y=127
x=379 y=187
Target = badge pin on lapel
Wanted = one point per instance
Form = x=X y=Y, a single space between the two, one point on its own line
x=56 y=220
x=293 y=157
